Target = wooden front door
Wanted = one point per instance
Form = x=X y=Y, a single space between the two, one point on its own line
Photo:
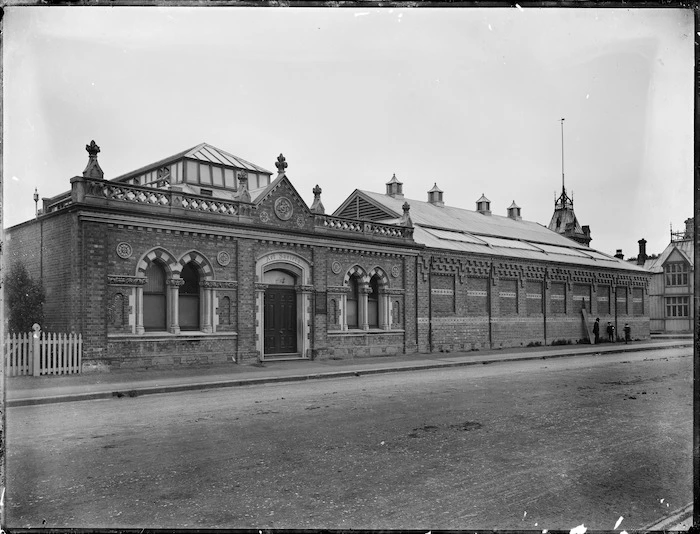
x=280 y=320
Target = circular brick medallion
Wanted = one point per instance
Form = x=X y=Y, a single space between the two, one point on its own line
x=301 y=221
x=284 y=208
x=395 y=271
x=124 y=250
x=264 y=216
x=223 y=258
x=335 y=267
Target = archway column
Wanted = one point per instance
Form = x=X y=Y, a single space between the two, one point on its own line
x=384 y=311
x=303 y=306
x=138 y=307
x=362 y=305
x=172 y=297
x=260 y=318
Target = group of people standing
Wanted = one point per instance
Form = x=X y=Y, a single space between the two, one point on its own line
x=610 y=331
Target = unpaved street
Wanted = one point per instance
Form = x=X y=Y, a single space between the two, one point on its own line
x=528 y=445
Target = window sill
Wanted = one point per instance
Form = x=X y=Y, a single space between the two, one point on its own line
x=168 y=335
x=355 y=332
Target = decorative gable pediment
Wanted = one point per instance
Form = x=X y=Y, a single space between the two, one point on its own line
x=676 y=256
x=281 y=205
x=360 y=206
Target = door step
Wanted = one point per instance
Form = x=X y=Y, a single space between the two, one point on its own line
x=283 y=357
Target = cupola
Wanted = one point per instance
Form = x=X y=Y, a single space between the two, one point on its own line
x=483 y=205
x=394 y=188
x=514 y=212
x=435 y=196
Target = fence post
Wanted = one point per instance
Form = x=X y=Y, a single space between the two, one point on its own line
x=36 y=336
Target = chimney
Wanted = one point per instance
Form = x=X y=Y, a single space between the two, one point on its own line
x=435 y=196
x=642 y=256
x=394 y=188
x=619 y=255
x=483 y=205
x=514 y=212
x=690 y=228
x=93 y=169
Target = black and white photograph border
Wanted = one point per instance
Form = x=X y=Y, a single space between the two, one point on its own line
x=349 y=265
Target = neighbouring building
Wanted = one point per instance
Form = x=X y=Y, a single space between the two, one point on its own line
x=204 y=258
x=671 y=286
x=564 y=220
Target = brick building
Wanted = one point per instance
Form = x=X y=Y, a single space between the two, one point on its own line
x=206 y=258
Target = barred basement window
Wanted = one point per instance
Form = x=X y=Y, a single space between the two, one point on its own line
x=332 y=312
x=225 y=311
x=396 y=313
x=676 y=274
x=677 y=306
x=118 y=311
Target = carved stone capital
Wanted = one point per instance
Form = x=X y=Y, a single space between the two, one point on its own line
x=175 y=282
x=125 y=280
x=219 y=284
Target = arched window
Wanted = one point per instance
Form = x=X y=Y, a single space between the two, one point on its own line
x=353 y=301
x=154 y=301
x=373 y=303
x=188 y=299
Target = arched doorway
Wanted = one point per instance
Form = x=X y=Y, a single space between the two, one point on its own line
x=280 y=329
x=283 y=306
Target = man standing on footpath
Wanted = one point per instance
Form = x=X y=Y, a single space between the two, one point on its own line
x=596 y=330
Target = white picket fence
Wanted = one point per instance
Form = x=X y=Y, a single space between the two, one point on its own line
x=43 y=353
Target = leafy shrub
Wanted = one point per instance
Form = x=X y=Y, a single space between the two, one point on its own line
x=25 y=299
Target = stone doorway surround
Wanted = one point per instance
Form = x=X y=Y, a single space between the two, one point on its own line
x=300 y=268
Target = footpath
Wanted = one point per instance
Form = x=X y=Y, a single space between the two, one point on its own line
x=27 y=391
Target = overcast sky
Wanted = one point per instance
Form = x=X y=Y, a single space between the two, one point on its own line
x=470 y=99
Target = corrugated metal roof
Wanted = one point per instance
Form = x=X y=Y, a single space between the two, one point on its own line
x=685 y=247
x=472 y=222
x=461 y=230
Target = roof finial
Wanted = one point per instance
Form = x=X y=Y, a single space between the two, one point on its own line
x=317 y=206
x=93 y=169
x=243 y=194
x=281 y=164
